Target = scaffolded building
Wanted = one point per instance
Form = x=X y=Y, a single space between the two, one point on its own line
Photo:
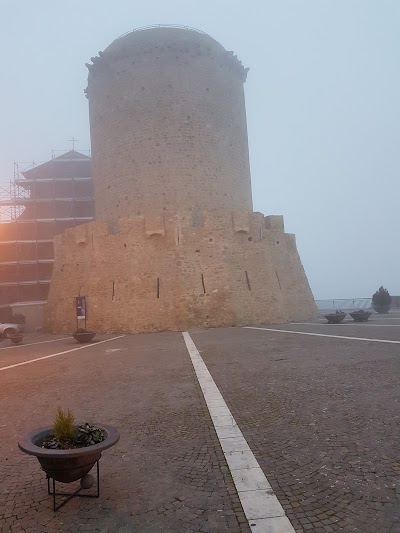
x=42 y=201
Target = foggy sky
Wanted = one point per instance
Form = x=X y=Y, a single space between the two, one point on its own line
x=323 y=107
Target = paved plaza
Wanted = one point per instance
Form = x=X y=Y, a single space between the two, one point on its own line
x=314 y=408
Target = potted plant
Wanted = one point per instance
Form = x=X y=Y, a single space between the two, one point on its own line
x=335 y=318
x=16 y=338
x=361 y=315
x=81 y=335
x=381 y=300
x=66 y=451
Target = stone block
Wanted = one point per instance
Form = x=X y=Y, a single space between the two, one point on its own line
x=275 y=223
x=241 y=221
x=155 y=225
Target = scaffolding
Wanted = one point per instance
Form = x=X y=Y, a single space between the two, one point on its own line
x=34 y=207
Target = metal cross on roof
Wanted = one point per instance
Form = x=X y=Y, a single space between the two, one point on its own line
x=73 y=140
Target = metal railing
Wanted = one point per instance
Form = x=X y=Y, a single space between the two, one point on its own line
x=344 y=304
x=155 y=26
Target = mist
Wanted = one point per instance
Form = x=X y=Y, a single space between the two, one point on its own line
x=322 y=106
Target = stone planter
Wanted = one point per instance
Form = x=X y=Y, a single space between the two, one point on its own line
x=360 y=316
x=85 y=336
x=335 y=318
x=67 y=466
x=16 y=338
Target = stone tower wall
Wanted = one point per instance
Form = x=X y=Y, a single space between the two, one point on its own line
x=168 y=125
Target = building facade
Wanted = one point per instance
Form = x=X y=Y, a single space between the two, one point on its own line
x=41 y=202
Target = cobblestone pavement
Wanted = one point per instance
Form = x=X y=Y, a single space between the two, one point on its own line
x=321 y=416
x=167 y=473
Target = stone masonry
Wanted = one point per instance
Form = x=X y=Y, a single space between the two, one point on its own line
x=176 y=243
x=168 y=125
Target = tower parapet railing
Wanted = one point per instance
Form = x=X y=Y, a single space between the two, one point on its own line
x=155 y=26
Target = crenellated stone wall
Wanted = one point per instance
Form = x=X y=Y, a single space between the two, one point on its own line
x=177 y=272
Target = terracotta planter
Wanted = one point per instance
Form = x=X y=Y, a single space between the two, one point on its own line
x=335 y=318
x=86 y=336
x=67 y=465
x=360 y=317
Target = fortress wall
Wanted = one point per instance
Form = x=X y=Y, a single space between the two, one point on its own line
x=177 y=272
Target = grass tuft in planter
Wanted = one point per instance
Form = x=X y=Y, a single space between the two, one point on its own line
x=66 y=435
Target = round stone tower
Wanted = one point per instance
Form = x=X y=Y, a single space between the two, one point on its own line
x=168 y=125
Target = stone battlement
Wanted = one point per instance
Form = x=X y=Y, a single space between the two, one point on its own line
x=173 y=272
x=258 y=226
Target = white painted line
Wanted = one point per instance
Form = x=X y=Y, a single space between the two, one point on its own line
x=234 y=444
x=376 y=317
x=32 y=343
x=228 y=432
x=60 y=353
x=253 y=481
x=242 y=460
x=261 y=504
x=324 y=335
x=215 y=402
x=387 y=318
x=365 y=324
x=261 y=507
x=223 y=421
x=280 y=525
x=218 y=411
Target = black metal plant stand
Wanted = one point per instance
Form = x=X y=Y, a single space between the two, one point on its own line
x=70 y=495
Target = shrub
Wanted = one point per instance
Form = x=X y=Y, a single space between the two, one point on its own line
x=381 y=297
x=64 y=427
x=66 y=435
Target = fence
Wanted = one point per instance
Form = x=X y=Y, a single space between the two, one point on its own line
x=344 y=304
